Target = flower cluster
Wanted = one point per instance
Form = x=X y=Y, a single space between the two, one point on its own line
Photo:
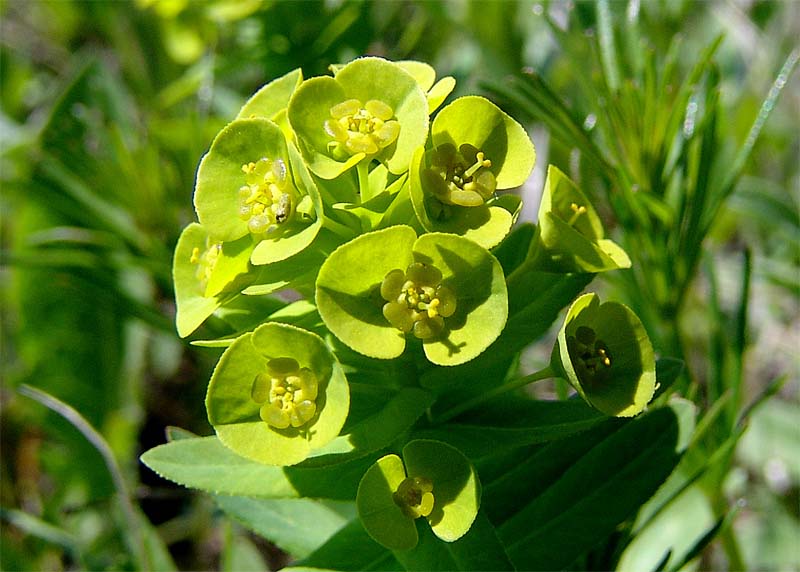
x=378 y=207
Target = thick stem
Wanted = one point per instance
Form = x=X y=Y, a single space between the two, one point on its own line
x=545 y=373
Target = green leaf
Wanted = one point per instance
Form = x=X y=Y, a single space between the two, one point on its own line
x=298 y=526
x=381 y=516
x=351 y=549
x=422 y=73
x=667 y=372
x=375 y=431
x=456 y=489
x=237 y=410
x=205 y=463
x=603 y=488
x=439 y=92
x=675 y=529
x=535 y=300
x=605 y=354
x=273 y=97
x=479 y=549
x=511 y=252
x=504 y=423
x=530 y=476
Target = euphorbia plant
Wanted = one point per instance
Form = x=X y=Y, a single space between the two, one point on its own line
x=380 y=222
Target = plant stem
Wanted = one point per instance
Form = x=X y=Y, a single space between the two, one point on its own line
x=337 y=228
x=545 y=373
x=363 y=180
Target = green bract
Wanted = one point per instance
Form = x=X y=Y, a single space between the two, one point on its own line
x=605 y=354
x=252 y=183
x=426 y=76
x=476 y=150
x=205 y=272
x=570 y=234
x=372 y=108
x=272 y=99
x=436 y=482
x=277 y=394
x=443 y=289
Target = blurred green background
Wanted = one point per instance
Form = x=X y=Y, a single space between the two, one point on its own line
x=105 y=111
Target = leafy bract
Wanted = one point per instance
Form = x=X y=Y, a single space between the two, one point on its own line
x=273 y=97
x=361 y=81
x=456 y=489
x=570 y=235
x=425 y=76
x=252 y=183
x=476 y=150
x=387 y=510
x=237 y=411
x=476 y=121
x=347 y=290
x=381 y=516
x=206 y=273
x=301 y=229
x=358 y=285
x=603 y=351
x=485 y=224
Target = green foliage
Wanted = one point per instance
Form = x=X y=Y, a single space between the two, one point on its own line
x=367 y=286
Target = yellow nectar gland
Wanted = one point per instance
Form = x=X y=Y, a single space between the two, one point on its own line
x=357 y=128
x=459 y=177
x=267 y=199
x=414 y=496
x=591 y=356
x=286 y=393
x=416 y=301
x=206 y=261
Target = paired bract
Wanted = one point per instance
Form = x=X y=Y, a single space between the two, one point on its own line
x=376 y=290
x=433 y=480
x=605 y=354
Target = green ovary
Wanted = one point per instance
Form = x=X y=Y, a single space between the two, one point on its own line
x=268 y=198
x=416 y=301
x=206 y=261
x=458 y=177
x=414 y=496
x=356 y=128
x=286 y=393
x=589 y=355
